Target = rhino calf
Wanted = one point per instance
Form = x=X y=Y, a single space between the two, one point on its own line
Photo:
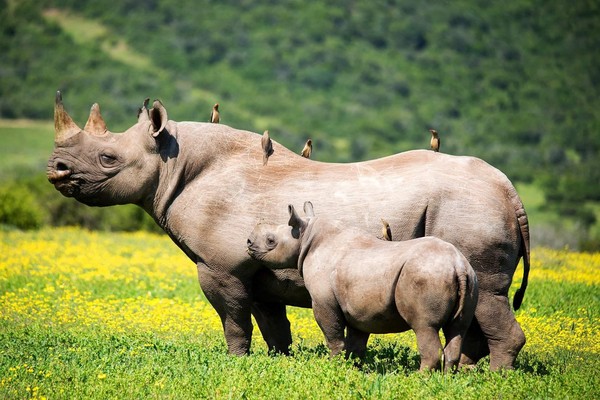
x=367 y=285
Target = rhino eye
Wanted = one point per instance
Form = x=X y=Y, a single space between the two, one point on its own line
x=271 y=242
x=107 y=160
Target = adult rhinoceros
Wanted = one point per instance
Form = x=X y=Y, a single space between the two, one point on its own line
x=206 y=186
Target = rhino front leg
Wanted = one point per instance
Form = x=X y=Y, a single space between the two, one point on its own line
x=274 y=326
x=356 y=342
x=474 y=346
x=230 y=297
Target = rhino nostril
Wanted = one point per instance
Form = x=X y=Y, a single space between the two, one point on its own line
x=249 y=242
x=60 y=172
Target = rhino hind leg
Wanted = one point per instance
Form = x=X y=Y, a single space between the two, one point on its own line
x=430 y=347
x=274 y=326
x=332 y=323
x=453 y=334
x=504 y=335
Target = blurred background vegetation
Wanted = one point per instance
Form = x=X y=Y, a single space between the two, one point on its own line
x=515 y=83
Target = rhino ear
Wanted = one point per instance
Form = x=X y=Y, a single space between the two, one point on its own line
x=297 y=223
x=158 y=117
x=308 y=209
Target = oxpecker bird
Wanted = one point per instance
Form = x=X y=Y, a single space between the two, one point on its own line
x=214 y=114
x=267 y=146
x=144 y=107
x=435 y=140
x=307 y=150
x=386 y=231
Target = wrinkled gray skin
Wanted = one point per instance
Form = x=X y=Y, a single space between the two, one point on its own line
x=205 y=185
x=367 y=285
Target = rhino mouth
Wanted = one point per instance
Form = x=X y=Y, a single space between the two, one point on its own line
x=254 y=252
x=63 y=180
x=68 y=188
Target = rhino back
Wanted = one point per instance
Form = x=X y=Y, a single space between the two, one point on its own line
x=225 y=190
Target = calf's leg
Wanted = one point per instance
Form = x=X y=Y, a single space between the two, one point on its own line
x=430 y=347
x=331 y=321
x=453 y=334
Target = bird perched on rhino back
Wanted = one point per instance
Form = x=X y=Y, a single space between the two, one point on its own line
x=435 y=140
x=386 y=232
x=307 y=150
x=267 y=146
x=214 y=114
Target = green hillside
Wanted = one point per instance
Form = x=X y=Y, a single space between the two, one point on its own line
x=516 y=84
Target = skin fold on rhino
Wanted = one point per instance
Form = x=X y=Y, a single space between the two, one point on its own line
x=206 y=186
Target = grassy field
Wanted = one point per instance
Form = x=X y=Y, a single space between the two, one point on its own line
x=26 y=146
x=115 y=315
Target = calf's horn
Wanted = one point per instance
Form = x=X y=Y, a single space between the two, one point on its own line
x=64 y=127
x=95 y=124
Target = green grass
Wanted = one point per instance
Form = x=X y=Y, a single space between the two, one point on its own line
x=130 y=366
x=114 y=315
x=26 y=146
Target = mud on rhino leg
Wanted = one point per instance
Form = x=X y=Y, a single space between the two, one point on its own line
x=504 y=334
x=274 y=326
x=231 y=299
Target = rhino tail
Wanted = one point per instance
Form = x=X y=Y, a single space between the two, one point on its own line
x=524 y=252
x=463 y=286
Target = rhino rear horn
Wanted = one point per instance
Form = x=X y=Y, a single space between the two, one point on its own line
x=158 y=116
x=95 y=123
x=64 y=127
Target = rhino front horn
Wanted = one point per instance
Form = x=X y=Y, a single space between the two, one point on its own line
x=95 y=124
x=64 y=127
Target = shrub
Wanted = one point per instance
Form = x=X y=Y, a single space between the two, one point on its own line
x=19 y=208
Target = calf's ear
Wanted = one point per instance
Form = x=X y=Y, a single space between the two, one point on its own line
x=308 y=209
x=297 y=223
x=158 y=117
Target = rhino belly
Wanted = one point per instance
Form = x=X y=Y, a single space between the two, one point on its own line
x=368 y=304
x=281 y=286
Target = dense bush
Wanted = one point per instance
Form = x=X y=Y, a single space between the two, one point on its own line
x=29 y=203
x=19 y=208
